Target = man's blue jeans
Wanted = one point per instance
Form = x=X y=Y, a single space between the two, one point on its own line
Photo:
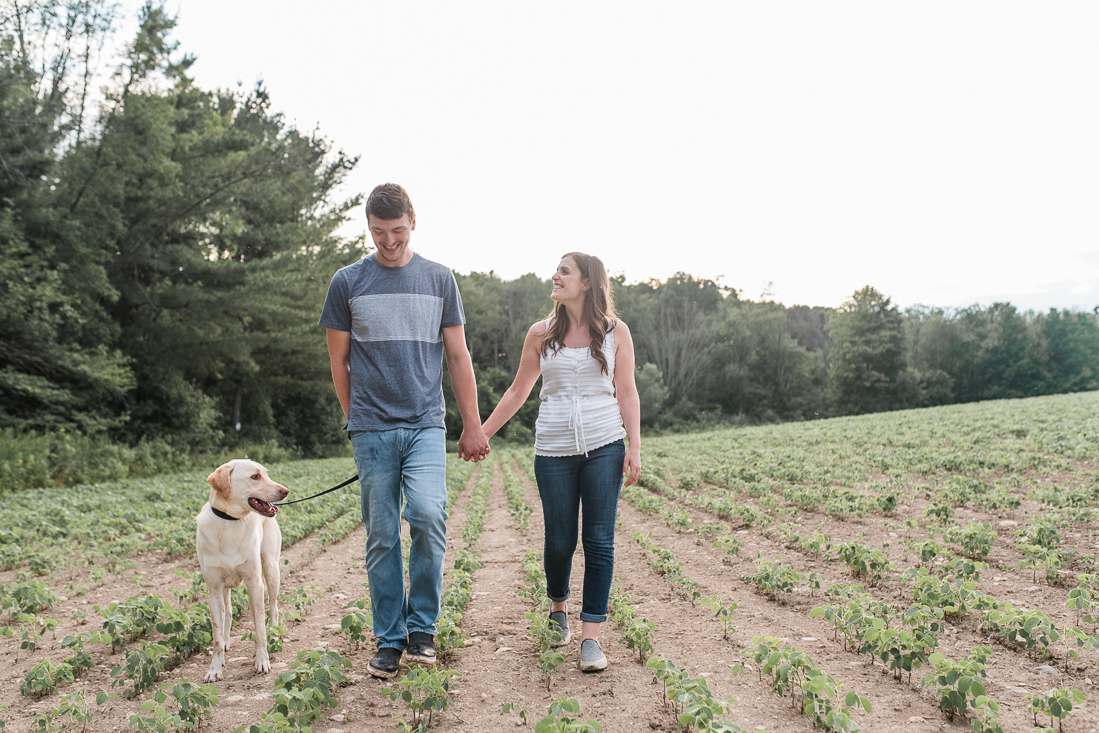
x=412 y=463
x=565 y=483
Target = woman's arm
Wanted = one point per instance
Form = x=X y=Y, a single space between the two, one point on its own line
x=625 y=387
x=520 y=388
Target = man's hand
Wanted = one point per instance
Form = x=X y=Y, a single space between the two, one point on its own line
x=473 y=445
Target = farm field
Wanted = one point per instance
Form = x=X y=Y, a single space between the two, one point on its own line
x=865 y=573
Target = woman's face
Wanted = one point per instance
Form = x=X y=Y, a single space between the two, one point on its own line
x=568 y=285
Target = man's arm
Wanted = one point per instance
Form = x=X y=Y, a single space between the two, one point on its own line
x=339 y=353
x=473 y=445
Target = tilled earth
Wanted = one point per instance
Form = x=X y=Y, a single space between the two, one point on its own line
x=499 y=664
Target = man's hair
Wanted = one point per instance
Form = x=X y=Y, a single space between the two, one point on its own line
x=389 y=201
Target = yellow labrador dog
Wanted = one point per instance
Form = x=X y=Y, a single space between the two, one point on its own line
x=239 y=540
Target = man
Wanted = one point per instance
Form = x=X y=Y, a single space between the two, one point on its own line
x=389 y=319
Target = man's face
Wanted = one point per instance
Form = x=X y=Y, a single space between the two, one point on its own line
x=391 y=237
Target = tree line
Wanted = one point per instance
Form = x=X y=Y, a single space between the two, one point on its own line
x=165 y=251
x=708 y=357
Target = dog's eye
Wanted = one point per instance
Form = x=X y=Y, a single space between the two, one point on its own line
x=255 y=477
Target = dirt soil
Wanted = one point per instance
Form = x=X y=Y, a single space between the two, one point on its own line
x=499 y=664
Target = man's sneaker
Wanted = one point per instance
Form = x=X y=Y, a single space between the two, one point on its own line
x=592 y=658
x=559 y=622
x=421 y=647
x=384 y=664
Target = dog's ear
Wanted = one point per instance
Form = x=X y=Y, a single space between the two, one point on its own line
x=220 y=480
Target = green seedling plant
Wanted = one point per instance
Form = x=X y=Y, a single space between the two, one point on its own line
x=187 y=631
x=29 y=597
x=544 y=637
x=276 y=637
x=960 y=689
x=772 y=579
x=424 y=692
x=1034 y=631
x=729 y=544
x=693 y=705
x=941 y=512
x=635 y=634
x=448 y=634
x=1055 y=703
x=975 y=539
x=864 y=561
x=71 y=713
x=558 y=720
x=723 y=612
x=298 y=599
x=512 y=706
x=356 y=623
x=308 y=689
x=1080 y=601
x=45 y=677
x=190 y=701
x=81 y=660
x=142 y=667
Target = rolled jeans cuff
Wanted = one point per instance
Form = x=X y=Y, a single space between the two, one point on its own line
x=591 y=618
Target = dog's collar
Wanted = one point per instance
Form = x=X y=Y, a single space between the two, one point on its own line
x=218 y=513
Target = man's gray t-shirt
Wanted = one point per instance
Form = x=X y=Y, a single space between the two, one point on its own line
x=396 y=316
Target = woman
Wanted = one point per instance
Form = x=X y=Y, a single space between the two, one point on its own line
x=579 y=455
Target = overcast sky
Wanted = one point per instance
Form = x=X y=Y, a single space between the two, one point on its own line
x=946 y=153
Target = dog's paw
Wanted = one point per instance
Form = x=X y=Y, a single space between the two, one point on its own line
x=263 y=664
x=212 y=676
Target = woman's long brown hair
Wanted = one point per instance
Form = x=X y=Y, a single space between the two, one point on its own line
x=598 y=311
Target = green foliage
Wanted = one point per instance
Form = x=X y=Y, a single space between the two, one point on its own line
x=868 y=360
x=477 y=509
x=723 y=612
x=773 y=579
x=507 y=707
x=693 y=705
x=189 y=631
x=142 y=667
x=1034 y=631
x=635 y=634
x=298 y=599
x=975 y=539
x=518 y=507
x=69 y=714
x=45 y=677
x=424 y=691
x=544 y=637
x=558 y=722
x=1056 y=703
x=355 y=625
x=308 y=689
x=191 y=702
x=31 y=596
x=448 y=633
x=816 y=692
x=863 y=561
x=663 y=562
x=960 y=689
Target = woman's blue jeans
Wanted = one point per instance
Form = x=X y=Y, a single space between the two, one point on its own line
x=567 y=483
x=406 y=465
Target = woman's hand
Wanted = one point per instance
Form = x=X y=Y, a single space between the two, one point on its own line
x=631 y=466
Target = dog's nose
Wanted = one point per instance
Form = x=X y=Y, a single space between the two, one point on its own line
x=283 y=492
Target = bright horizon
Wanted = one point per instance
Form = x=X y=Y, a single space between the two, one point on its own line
x=945 y=154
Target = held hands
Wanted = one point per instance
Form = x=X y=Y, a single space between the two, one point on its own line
x=473 y=445
x=631 y=466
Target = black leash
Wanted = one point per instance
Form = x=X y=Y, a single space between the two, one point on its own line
x=349 y=481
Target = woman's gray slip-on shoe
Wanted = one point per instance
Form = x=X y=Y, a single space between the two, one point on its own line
x=559 y=624
x=592 y=658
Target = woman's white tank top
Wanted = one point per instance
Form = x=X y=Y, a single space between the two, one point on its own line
x=579 y=412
